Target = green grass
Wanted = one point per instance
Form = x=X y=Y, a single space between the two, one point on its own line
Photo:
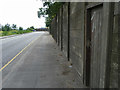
x=12 y=32
x=1 y=33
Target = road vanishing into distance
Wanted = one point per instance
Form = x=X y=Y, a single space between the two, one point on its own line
x=13 y=45
x=12 y=48
x=33 y=60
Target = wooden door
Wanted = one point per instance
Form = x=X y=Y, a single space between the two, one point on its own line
x=93 y=46
x=96 y=45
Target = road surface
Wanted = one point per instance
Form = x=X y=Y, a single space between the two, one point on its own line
x=40 y=65
x=13 y=45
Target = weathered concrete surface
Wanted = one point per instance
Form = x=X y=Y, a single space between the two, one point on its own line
x=54 y=29
x=60 y=28
x=102 y=71
x=119 y=47
x=115 y=53
x=77 y=36
x=65 y=29
x=42 y=65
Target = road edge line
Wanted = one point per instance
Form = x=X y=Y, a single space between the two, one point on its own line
x=18 y=53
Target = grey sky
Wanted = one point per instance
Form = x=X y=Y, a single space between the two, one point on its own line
x=21 y=12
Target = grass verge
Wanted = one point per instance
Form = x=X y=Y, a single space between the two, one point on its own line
x=12 y=32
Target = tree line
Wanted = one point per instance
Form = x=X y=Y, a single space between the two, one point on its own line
x=49 y=11
x=7 y=27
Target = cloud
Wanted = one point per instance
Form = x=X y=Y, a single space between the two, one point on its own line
x=21 y=12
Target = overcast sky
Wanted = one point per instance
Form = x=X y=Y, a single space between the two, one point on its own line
x=21 y=12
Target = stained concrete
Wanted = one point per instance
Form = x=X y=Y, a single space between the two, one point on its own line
x=41 y=65
x=79 y=36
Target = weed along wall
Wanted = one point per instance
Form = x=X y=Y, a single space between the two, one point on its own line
x=88 y=34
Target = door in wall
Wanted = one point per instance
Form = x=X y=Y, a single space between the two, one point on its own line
x=93 y=46
x=96 y=45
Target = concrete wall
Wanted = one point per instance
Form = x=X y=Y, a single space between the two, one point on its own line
x=77 y=36
x=119 y=46
x=69 y=30
x=115 y=53
x=53 y=29
x=65 y=29
x=60 y=28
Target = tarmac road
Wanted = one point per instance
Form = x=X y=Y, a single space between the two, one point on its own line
x=13 y=45
x=40 y=65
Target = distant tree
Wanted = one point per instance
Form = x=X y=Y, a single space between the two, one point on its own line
x=0 y=27
x=3 y=28
x=32 y=27
x=6 y=27
x=49 y=11
x=20 y=28
x=14 y=26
